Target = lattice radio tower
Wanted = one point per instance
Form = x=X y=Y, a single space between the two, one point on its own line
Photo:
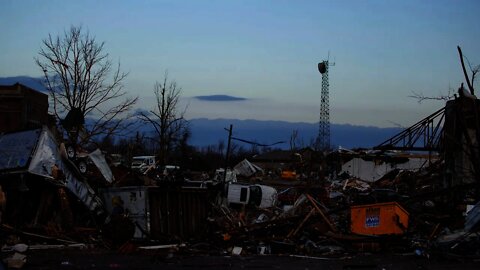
x=323 y=140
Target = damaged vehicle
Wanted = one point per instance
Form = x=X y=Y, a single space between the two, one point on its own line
x=141 y=163
x=254 y=195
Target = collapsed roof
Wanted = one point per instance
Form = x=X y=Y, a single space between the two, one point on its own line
x=36 y=152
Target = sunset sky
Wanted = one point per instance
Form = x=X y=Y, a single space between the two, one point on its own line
x=267 y=52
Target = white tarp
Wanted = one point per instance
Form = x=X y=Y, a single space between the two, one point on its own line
x=370 y=171
x=246 y=168
x=99 y=160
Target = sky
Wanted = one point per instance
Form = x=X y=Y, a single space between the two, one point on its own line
x=267 y=52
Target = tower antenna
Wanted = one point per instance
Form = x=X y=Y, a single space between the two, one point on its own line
x=323 y=139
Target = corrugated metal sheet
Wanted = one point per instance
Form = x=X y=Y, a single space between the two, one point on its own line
x=17 y=148
x=180 y=212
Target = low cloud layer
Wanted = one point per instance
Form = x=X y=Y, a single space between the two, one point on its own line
x=220 y=98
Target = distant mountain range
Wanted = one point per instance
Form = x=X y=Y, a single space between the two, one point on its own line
x=207 y=132
x=211 y=131
x=34 y=83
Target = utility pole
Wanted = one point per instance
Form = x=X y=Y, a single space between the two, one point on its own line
x=227 y=157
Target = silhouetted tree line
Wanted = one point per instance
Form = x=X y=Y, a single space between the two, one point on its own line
x=84 y=83
x=188 y=157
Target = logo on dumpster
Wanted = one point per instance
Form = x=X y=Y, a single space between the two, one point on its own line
x=372 y=217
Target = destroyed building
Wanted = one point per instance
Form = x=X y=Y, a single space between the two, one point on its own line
x=372 y=166
x=22 y=108
x=461 y=142
x=31 y=161
x=411 y=192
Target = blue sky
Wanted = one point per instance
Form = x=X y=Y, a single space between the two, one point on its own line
x=267 y=52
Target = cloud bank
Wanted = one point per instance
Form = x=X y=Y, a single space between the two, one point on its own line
x=220 y=98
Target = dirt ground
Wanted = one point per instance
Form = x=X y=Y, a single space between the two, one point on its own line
x=100 y=259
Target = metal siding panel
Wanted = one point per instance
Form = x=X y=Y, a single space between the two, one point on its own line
x=177 y=212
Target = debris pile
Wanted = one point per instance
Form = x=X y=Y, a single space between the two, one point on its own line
x=55 y=195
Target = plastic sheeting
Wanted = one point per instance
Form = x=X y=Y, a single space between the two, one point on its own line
x=99 y=161
x=46 y=155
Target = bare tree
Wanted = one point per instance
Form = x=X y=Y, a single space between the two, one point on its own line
x=451 y=93
x=420 y=97
x=474 y=70
x=169 y=124
x=80 y=78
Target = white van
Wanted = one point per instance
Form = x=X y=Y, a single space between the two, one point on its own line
x=255 y=195
x=141 y=163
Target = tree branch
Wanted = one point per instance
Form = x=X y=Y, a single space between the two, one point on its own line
x=469 y=83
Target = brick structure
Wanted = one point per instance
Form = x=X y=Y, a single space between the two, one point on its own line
x=22 y=108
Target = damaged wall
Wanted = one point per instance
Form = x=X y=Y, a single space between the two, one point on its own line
x=37 y=155
x=135 y=205
x=22 y=107
x=180 y=212
x=373 y=170
x=461 y=137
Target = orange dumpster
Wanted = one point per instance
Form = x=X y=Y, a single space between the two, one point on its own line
x=378 y=219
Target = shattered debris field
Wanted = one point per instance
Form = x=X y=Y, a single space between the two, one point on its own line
x=112 y=260
x=410 y=202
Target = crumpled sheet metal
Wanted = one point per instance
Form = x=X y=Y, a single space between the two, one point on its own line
x=472 y=221
x=46 y=155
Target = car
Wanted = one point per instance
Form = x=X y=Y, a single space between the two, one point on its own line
x=253 y=195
